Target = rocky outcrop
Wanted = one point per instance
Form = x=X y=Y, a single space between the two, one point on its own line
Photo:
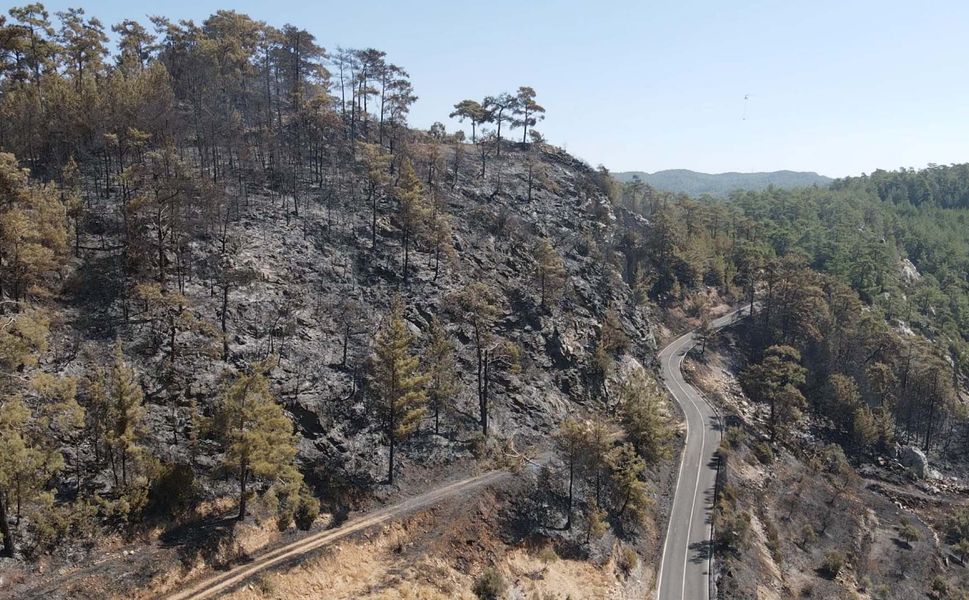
x=915 y=461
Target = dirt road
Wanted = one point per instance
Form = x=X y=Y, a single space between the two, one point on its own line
x=223 y=582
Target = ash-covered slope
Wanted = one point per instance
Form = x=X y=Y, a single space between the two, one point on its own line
x=315 y=291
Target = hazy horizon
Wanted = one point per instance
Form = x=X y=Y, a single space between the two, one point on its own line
x=717 y=172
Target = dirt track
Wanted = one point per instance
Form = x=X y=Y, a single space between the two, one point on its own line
x=223 y=582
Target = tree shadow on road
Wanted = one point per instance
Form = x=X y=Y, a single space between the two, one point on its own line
x=701 y=552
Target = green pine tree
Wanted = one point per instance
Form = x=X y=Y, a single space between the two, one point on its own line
x=775 y=380
x=256 y=436
x=441 y=370
x=27 y=461
x=632 y=494
x=550 y=273
x=644 y=416
x=571 y=440
x=124 y=415
x=399 y=386
x=412 y=213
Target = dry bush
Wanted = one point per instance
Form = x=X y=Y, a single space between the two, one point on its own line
x=627 y=560
x=832 y=564
x=490 y=585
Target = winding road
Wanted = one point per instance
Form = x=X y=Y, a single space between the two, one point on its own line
x=684 y=570
x=687 y=551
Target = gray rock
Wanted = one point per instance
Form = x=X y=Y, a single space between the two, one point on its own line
x=915 y=461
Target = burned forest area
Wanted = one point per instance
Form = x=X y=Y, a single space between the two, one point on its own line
x=261 y=337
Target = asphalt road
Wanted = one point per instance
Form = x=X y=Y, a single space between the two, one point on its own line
x=684 y=570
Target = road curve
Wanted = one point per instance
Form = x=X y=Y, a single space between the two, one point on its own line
x=224 y=582
x=684 y=569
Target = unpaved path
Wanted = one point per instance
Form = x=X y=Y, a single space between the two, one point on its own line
x=223 y=582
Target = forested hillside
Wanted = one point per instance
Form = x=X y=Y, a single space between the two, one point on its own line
x=867 y=289
x=241 y=296
x=235 y=282
x=938 y=185
x=855 y=363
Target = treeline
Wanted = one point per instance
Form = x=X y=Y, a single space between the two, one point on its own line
x=844 y=330
x=241 y=93
x=942 y=186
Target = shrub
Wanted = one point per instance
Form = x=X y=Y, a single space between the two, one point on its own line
x=547 y=555
x=734 y=437
x=265 y=585
x=908 y=532
x=490 y=585
x=129 y=506
x=773 y=541
x=478 y=444
x=50 y=524
x=596 y=525
x=834 y=460
x=808 y=534
x=172 y=493
x=627 y=560
x=832 y=563
x=728 y=494
x=959 y=526
x=940 y=588
x=307 y=510
x=763 y=452
x=962 y=549
x=731 y=527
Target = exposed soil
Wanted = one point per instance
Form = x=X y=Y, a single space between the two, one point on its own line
x=439 y=554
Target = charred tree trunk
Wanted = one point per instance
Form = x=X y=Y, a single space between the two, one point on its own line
x=243 y=481
x=8 y=544
x=568 y=518
x=223 y=322
x=390 y=464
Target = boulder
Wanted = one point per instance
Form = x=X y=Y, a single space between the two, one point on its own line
x=914 y=460
x=563 y=349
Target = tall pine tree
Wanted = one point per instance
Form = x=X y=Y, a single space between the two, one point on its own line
x=441 y=370
x=256 y=436
x=398 y=385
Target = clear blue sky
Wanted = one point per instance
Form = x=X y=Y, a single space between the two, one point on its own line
x=839 y=87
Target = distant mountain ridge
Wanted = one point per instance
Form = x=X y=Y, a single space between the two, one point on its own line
x=720 y=184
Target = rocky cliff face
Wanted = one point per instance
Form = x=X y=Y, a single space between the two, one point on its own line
x=316 y=291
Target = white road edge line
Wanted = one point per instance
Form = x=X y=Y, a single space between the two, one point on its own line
x=696 y=484
x=727 y=320
x=679 y=476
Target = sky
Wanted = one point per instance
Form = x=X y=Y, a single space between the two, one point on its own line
x=838 y=87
